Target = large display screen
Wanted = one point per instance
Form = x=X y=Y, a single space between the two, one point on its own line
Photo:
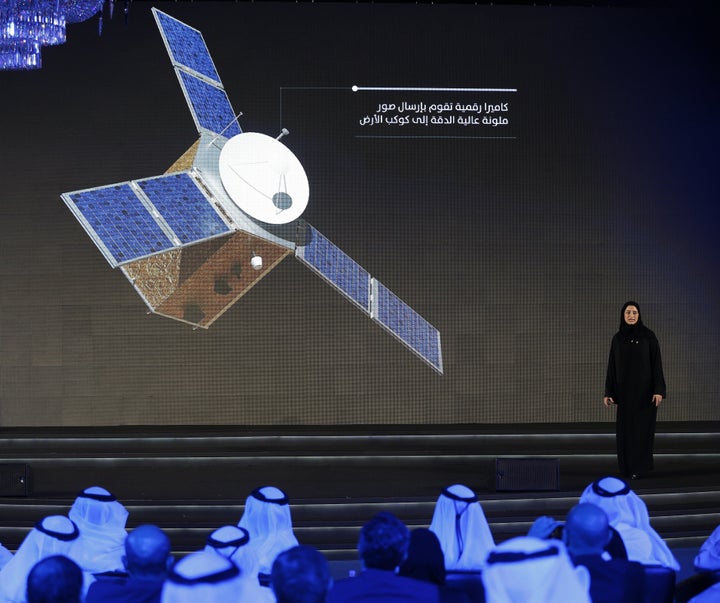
x=512 y=174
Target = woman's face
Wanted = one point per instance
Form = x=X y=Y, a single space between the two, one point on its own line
x=631 y=315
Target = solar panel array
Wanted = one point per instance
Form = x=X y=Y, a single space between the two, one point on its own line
x=407 y=325
x=336 y=267
x=136 y=219
x=184 y=207
x=119 y=223
x=209 y=105
x=355 y=283
x=201 y=84
x=186 y=46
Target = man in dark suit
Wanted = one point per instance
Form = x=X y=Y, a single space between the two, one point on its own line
x=147 y=558
x=382 y=546
x=300 y=575
x=55 y=578
x=586 y=533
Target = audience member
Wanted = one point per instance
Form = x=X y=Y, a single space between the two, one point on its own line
x=382 y=546
x=531 y=570
x=460 y=525
x=147 y=559
x=425 y=561
x=203 y=577
x=300 y=575
x=703 y=586
x=259 y=560
x=586 y=533
x=709 y=595
x=101 y=521
x=233 y=542
x=708 y=558
x=5 y=556
x=54 y=535
x=55 y=579
x=267 y=518
x=628 y=514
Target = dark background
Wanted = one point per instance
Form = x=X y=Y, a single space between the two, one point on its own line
x=520 y=251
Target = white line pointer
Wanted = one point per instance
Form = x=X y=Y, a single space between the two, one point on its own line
x=386 y=88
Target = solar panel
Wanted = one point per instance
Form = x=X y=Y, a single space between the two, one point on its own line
x=184 y=207
x=407 y=325
x=199 y=79
x=353 y=281
x=118 y=222
x=336 y=267
x=186 y=46
x=136 y=219
x=209 y=105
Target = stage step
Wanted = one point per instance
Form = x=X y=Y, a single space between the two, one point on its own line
x=191 y=480
x=334 y=525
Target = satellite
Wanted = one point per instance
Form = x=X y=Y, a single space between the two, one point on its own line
x=195 y=239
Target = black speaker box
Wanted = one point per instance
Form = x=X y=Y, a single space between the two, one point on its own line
x=14 y=479
x=527 y=474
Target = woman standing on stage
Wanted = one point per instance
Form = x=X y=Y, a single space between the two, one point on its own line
x=635 y=383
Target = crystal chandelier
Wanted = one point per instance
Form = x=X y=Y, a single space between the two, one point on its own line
x=27 y=25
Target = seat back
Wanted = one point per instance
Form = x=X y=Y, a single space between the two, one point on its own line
x=694 y=585
x=469 y=583
x=659 y=584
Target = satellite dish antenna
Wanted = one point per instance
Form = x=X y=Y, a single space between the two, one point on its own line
x=263 y=178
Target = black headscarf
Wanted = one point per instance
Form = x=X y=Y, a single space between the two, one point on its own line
x=632 y=331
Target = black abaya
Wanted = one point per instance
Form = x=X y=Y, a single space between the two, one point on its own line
x=634 y=375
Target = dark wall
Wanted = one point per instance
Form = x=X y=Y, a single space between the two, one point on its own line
x=519 y=242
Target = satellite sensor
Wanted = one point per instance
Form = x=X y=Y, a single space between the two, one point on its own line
x=195 y=239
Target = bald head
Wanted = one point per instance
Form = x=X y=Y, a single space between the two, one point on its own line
x=147 y=550
x=587 y=530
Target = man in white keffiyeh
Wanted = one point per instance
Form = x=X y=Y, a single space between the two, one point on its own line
x=267 y=519
x=628 y=514
x=708 y=558
x=101 y=521
x=54 y=535
x=530 y=570
x=233 y=542
x=204 y=577
x=5 y=556
x=460 y=525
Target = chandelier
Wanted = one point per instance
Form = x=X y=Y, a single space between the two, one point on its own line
x=28 y=25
